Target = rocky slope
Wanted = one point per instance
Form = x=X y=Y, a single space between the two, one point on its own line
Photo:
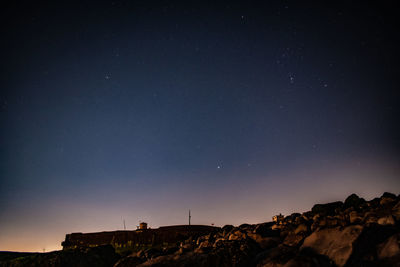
x=350 y=233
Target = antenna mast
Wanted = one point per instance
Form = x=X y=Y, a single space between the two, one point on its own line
x=124 y=225
x=189 y=217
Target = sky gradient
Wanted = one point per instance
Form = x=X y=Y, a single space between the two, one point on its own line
x=116 y=110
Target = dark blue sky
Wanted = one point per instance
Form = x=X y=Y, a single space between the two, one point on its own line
x=114 y=109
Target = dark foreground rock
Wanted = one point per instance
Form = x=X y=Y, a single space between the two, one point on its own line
x=102 y=256
x=355 y=232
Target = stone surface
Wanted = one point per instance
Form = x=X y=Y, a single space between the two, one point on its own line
x=390 y=248
x=386 y=220
x=370 y=217
x=275 y=257
x=129 y=262
x=396 y=211
x=353 y=201
x=335 y=243
x=386 y=201
x=355 y=217
x=237 y=235
x=293 y=239
x=302 y=228
x=327 y=209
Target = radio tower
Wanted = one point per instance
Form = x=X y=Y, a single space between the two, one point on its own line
x=189 y=217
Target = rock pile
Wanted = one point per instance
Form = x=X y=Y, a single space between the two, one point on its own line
x=355 y=232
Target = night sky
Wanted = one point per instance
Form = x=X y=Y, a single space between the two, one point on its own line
x=116 y=110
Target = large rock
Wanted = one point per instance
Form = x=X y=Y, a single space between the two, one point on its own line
x=386 y=220
x=388 y=195
x=302 y=228
x=355 y=217
x=327 y=209
x=387 y=198
x=396 y=211
x=390 y=248
x=189 y=259
x=233 y=253
x=227 y=228
x=370 y=217
x=353 y=201
x=264 y=242
x=308 y=258
x=237 y=235
x=130 y=261
x=293 y=240
x=366 y=247
x=334 y=243
x=265 y=230
x=275 y=257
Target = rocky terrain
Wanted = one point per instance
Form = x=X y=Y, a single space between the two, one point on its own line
x=355 y=232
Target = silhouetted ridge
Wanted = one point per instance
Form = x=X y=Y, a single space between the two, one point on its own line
x=355 y=232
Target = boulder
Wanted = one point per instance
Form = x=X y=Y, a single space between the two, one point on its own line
x=385 y=201
x=189 y=259
x=246 y=226
x=277 y=227
x=291 y=218
x=387 y=198
x=237 y=235
x=301 y=228
x=308 y=258
x=396 y=211
x=334 y=243
x=355 y=217
x=365 y=248
x=293 y=240
x=152 y=253
x=327 y=209
x=227 y=228
x=205 y=244
x=170 y=250
x=130 y=261
x=264 y=242
x=388 y=195
x=233 y=253
x=323 y=221
x=332 y=221
x=265 y=230
x=390 y=248
x=374 y=202
x=386 y=220
x=353 y=201
x=370 y=218
x=307 y=215
x=274 y=257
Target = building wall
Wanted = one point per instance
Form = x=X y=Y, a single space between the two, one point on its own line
x=160 y=236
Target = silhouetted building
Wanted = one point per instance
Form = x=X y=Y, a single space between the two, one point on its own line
x=278 y=218
x=142 y=226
